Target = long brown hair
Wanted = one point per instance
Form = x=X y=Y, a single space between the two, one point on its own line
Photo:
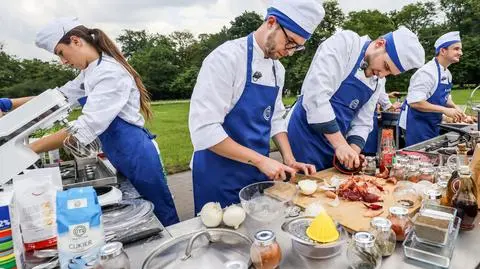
x=102 y=43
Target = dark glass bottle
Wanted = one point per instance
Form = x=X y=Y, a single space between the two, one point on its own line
x=465 y=201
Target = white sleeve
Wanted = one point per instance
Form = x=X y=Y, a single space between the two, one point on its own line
x=73 y=90
x=212 y=98
x=362 y=124
x=110 y=92
x=327 y=71
x=279 y=124
x=383 y=99
x=421 y=84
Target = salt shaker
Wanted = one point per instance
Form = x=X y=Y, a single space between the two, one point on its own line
x=112 y=256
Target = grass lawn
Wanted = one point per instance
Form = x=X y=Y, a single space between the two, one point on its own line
x=170 y=124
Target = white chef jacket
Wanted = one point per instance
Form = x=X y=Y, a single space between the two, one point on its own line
x=423 y=84
x=220 y=85
x=111 y=92
x=334 y=60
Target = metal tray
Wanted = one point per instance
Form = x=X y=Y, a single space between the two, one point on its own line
x=103 y=174
x=435 y=255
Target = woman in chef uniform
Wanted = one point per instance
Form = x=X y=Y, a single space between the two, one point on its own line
x=340 y=92
x=429 y=93
x=237 y=106
x=112 y=96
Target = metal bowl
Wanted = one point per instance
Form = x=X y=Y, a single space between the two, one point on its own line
x=296 y=228
x=267 y=200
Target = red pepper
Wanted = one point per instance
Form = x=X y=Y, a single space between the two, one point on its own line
x=373 y=206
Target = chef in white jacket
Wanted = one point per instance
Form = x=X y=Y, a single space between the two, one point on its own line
x=429 y=92
x=340 y=92
x=113 y=99
x=236 y=106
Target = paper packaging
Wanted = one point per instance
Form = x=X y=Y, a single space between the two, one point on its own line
x=34 y=198
x=80 y=227
x=475 y=168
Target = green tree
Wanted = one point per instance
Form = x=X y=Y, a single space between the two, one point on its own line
x=244 y=24
x=415 y=16
x=463 y=15
x=369 y=22
x=132 y=41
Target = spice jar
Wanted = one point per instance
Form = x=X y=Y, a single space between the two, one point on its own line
x=427 y=173
x=412 y=173
x=265 y=252
x=425 y=165
x=362 y=253
x=405 y=195
x=401 y=223
x=432 y=196
x=443 y=174
x=112 y=256
x=398 y=171
x=371 y=167
x=414 y=159
x=385 y=238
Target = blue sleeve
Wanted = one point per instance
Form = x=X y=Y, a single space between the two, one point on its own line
x=5 y=104
x=357 y=140
x=329 y=127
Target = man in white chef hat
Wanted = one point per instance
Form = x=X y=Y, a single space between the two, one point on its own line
x=236 y=106
x=429 y=92
x=334 y=114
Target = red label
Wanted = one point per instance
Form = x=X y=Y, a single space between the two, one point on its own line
x=41 y=244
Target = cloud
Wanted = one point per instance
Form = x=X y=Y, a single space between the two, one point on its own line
x=21 y=19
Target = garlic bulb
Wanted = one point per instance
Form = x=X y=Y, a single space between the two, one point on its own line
x=314 y=209
x=234 y=216
x=211 y=214
x=308 y=186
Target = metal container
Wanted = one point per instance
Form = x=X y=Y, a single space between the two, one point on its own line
x=211 y=248
x=296 y=228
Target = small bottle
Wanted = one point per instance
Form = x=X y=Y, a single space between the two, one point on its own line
x=387 y=154
x=265 y=252
x=432 y=196
x=401 y=223
x=363 y=253
x=465 y=201
x=112 y=256
x=454 y=184
x=371 y=167
x=386 y=239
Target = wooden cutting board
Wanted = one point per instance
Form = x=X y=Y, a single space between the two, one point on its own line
x=348 y=213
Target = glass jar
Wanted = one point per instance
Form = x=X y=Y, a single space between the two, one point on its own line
x=401 y=223
x=371 y=167
x=414 y=159
x=465 y=201
x=425 y=165
x=112 y=256
x=385 y=238
x=432 y=196
x=398 y=171
x=405 y=195
x=427 y=173
x=265 y=252
x=412 y=173
x=443 y=174
x=362 y=253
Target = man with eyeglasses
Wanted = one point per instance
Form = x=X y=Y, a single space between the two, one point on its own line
x=236 y=106
x=334 y=114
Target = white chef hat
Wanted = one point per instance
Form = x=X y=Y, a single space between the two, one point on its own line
x=446 y=40
x=299 y=16
x=49 y=36
x=404 y=49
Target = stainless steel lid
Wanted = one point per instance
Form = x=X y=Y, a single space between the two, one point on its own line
x=264 y=237
x=210 y=248
x=110 y=250
x=433 y=194
x=381 y=224
x=364 y=239
x=398 y=211
x=126 y=214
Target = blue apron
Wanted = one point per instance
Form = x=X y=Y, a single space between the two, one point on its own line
x=219 y=179
x=371 y=145
x=308 y=146
x=131 y=151
x=422 y=126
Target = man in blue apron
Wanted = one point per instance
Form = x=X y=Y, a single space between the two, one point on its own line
x=237 y=106
x=429 y=93
x=334 y=113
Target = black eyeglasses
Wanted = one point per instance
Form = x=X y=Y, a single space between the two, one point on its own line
x=291 y=45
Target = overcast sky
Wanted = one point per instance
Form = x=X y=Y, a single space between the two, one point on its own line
x=20 y=19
